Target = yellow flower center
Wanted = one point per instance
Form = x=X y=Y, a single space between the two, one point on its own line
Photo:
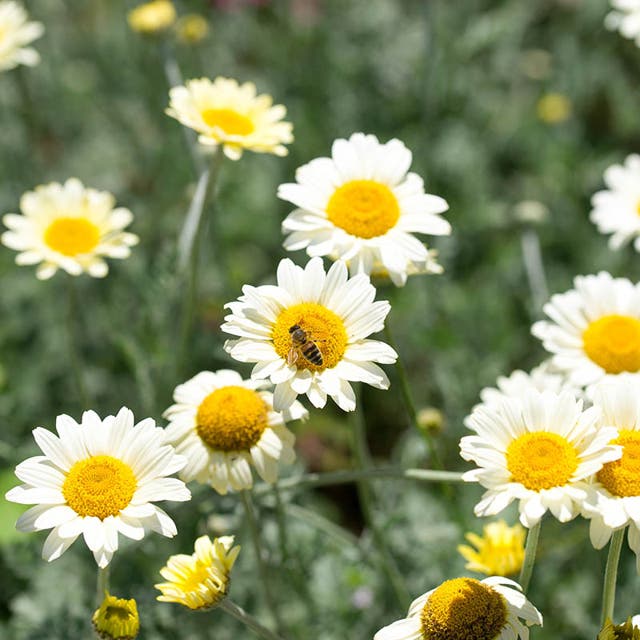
x=99 y=486
x=363 y=208
x=622 y=477
x=541 y=460
x=230 y=121
x=613 y=343
x=321 y=327
x=72 y=236
x=463 y=609
x=232 y=418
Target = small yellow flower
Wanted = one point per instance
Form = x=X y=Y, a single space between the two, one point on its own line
x=554 y=108
x=116 y=619
x=499 y=551
x=152 y=17
x=192 y=28
x=226 y=113
x=201 y=580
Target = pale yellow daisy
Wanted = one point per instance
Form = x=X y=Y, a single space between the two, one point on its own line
x=16 y=32
x=116 y=619
x=152 y=17
x=201 y=580
x=70 y=227
x=226 y=113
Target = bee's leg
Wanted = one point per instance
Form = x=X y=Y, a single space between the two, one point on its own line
x=292 y=357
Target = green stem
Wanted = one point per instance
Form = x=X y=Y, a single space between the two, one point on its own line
x=363 y=459
x=313 y=480
x=102 y=584
x=248 y=620
x=282 y=524
x=189 y=244
x=263 y=570
x=74 y=352
x=611 y=575
x=407 y=397
x=534 y=266
x=529 y=556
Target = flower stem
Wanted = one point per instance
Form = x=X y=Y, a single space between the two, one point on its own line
x=363 y=459
x=102 y=584
x=189 y=243
x=74 y=354
x=408 y=399
x=282 y=524
x=263 y=570
x=534 y=266
x=530 y=549
x=248 y=620
x=313 y=480
x=611 y=575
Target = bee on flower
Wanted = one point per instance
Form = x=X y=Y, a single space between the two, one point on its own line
x=308 y=334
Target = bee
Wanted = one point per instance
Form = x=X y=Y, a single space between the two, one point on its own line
x=301 y=344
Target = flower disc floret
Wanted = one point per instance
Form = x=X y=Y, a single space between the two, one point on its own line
x=232 y=418
x=467 y=609
x=72 y=236
x=622 y=477
x=593 y=330
x=463 y=608
x=321 y=325
x=613 y=343
x=99 y=486
x=541 y=460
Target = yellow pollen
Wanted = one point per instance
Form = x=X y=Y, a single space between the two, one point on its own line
x=363 y=208
x=230 y=121
x=541 y=460
x=321 y=325
x=72 y=236
x=613 y=343
x=232 y=418
x=99 y=486
x=638 y=208
x=463 y=609
x=622 y=477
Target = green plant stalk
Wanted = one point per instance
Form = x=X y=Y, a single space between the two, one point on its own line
x=189 y=244
x=611 y=575
x=248 y=620
x=74 y=351
x=102 y=584
x=313 y=480
x=363 y=459
x=530 y=549
x=263 y=570
x=407 y=398
x=534 y=266
x=282 y=525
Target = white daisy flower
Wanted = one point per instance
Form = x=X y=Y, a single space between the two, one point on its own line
x=232 y=115
x=519 y=383
x=594 y=328
x=307 y=334
x=67 y=226
x=625 y=18
x=16 y=32
x=362 y=206
x=614 y=496
x=491 y=609
x=98 y=478
x=617 y=210
x=538 y=449
x=223 y=425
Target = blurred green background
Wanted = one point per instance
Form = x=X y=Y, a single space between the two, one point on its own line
x=460 y=83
